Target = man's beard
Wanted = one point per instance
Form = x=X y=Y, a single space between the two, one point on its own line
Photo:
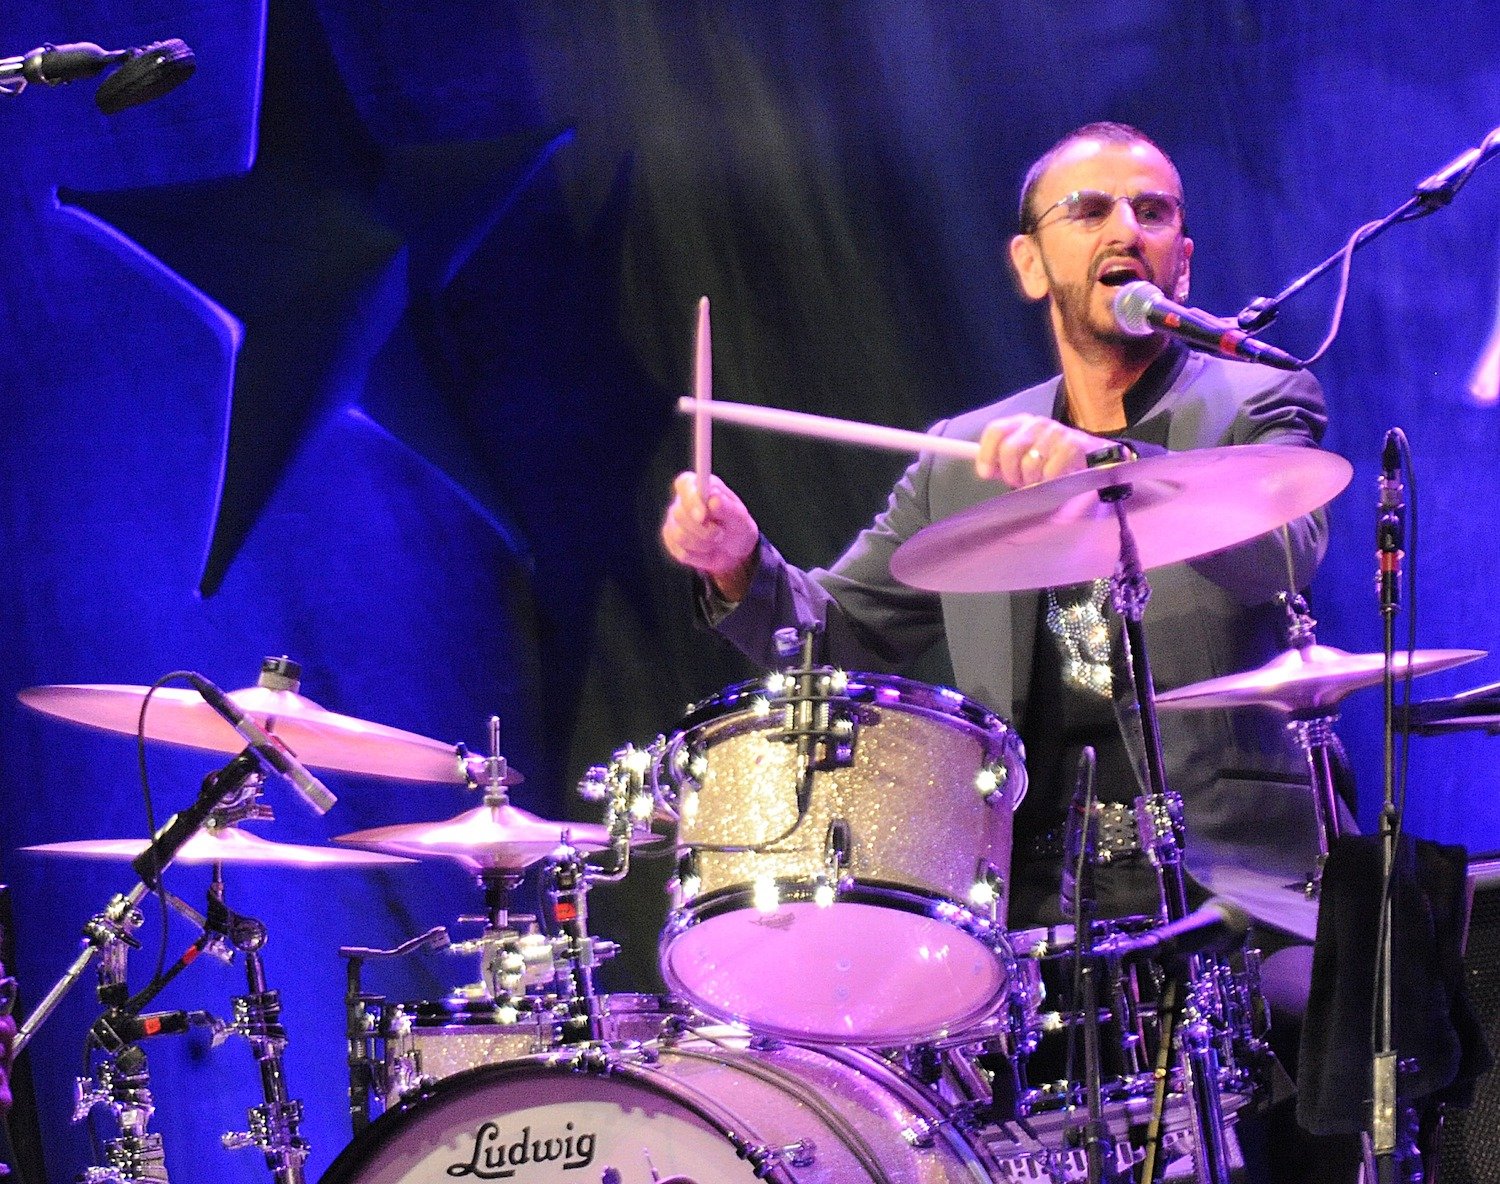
x=1089 y=332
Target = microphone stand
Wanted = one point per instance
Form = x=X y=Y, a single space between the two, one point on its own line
x=1389 y=532
x=120 y=918
x=1431 y=195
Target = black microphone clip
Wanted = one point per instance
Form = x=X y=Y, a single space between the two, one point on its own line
x=1390 y=522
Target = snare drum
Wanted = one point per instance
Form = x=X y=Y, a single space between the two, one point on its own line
x=696 y=1112
x=425 y=1043
x=863 y=903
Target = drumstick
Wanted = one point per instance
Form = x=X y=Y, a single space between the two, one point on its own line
x=703 y=386
x=823 y=427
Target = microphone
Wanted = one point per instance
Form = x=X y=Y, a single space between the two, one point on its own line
x=1390 y=523
x=147 y=73
x=1141 y=309
x=1218 y=924
x=267 y=748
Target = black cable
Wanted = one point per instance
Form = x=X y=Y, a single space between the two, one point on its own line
x=140 y=751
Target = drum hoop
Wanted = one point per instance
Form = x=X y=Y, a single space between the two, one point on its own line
x=880 y=893
x=938 y=703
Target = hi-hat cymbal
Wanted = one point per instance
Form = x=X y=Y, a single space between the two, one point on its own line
x=319 y=737
x=503 y=838
x=1182 y=506
x=1307 y=680
x=225 y=845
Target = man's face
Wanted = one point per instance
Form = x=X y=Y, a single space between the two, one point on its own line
x=1080 y=265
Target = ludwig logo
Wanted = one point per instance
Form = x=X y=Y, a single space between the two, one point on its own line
x=496 y=1156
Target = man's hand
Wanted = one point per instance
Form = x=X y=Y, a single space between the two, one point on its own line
x=714 y=535
x=1025 y=449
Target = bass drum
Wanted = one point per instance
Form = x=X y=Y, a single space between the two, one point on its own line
x=698 y=1112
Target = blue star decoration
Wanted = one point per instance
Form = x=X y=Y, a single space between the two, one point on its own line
x=321 y=250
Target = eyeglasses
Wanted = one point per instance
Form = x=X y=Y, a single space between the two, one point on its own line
x=1091 y=209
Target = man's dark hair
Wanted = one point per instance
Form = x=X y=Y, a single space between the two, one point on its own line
x=1110 y=133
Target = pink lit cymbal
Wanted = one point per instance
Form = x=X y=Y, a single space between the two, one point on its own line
x=225 y=845
x=319 y=737
x=1305 y=680
x=1182 y=506
x=505 y=838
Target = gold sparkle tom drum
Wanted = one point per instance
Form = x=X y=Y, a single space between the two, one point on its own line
x=863 y=902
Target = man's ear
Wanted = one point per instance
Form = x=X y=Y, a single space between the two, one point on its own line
x=1184 y=280
x=1026 y=261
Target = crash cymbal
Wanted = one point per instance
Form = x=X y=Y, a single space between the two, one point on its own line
x=225 y=845
x=1307 y=680
x=487 y=837
x=318 y=736
x=1183 y=505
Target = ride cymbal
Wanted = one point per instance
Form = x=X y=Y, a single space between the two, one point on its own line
x=1182 y=506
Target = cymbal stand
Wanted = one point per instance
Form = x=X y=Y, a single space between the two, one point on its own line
x=1161 y=836
x=367 y=1072
x=122 y=1085
x=568 y=880
x=274 y=1125
x=1099 y=1146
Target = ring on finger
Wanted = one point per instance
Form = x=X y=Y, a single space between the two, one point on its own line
x=1033 y=454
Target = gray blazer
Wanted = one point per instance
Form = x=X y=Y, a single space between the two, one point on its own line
x=1250 y=821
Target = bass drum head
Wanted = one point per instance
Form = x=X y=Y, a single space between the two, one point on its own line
x=699 y=1113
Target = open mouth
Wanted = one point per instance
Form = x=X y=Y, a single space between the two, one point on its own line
x=1117 y=274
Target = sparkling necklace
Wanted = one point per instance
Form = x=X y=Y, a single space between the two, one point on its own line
x=1076 y=618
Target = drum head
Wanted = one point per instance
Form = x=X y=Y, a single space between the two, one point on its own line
x=846 y=973
x=700 y=1112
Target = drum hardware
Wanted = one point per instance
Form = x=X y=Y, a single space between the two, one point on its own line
x=274 y=1125
x=122 y=1086
x=366 y=1071
x=568 y=881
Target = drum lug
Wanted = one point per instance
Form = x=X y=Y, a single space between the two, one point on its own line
x=765 y=1160
x=993 y=783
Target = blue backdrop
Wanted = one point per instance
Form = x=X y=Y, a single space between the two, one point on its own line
x=362 y=346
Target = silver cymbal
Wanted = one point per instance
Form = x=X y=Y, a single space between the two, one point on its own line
x=1182 y=506
x=319 y=737
x=225 y=845
x=1306 y=680
x=504 y=838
